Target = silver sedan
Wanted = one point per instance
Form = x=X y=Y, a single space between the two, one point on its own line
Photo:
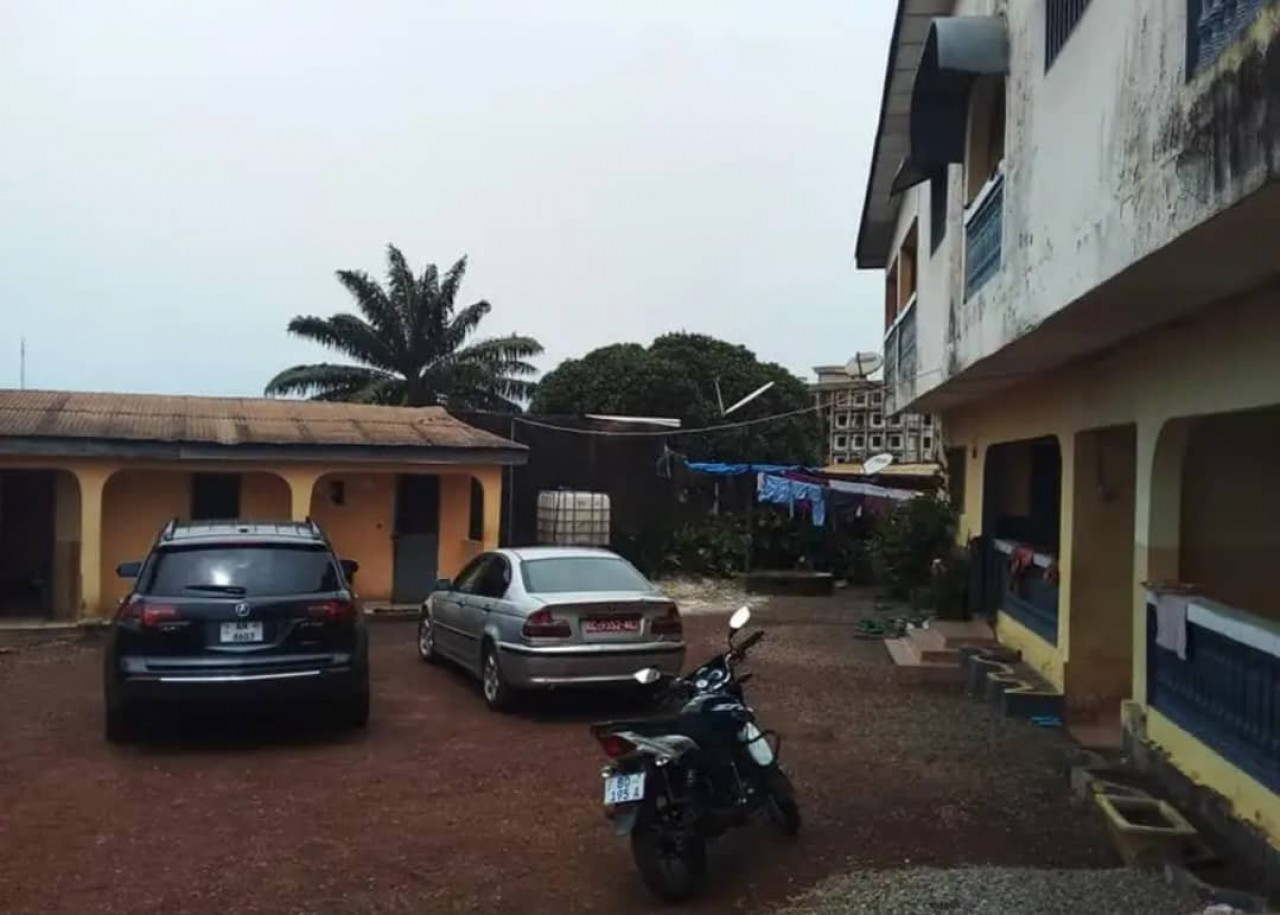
x=550 y=616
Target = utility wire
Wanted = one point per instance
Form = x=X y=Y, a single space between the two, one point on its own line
x=665 y=433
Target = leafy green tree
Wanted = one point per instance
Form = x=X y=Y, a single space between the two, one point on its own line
x=676 y=377
x=410 y=346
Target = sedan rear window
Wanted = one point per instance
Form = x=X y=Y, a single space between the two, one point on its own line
x=250 y=570
x=581 y=573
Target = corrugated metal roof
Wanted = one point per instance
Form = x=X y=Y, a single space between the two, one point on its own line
x=232 y=421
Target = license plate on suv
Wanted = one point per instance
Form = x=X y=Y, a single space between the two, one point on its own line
x=240 y=633
x=622 y=624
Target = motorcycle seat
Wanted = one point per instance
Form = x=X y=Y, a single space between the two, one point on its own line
x=648 y=726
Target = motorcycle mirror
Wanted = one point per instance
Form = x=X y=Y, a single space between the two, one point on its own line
x=740 y=618
x=646 y=675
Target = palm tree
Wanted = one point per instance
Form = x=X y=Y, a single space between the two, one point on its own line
x=411 y=346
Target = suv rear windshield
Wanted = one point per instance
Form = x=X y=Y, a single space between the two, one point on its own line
x=581 y=573
x=251 y=570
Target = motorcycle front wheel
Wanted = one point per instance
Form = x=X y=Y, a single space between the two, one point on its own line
x=672 y=864
x=783 y=809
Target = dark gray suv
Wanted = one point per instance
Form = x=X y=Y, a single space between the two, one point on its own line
x=237 y=610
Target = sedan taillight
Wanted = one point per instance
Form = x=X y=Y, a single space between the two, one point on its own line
x=670 y=624
x=542 y=625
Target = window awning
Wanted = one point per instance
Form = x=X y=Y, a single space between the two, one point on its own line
x=957 y=50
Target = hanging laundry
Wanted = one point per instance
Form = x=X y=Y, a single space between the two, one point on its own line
x=1171 y=623
x=782 y=491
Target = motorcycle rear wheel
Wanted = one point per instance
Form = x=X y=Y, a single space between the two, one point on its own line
x=673 y=866
x=783 y=809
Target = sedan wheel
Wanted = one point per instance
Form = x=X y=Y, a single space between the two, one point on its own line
x=497 y=693
x=427 y=640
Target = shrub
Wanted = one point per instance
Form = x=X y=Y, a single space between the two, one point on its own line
x=907 y=538
x=712 y=546
x=949 y=586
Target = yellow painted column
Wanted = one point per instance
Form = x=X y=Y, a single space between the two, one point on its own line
x=491 y=479
x=1157 y=524
x=1066 y=530
x=92 y=480
x=302 y=484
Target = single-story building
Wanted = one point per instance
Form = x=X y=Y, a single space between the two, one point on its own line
x=88 y=480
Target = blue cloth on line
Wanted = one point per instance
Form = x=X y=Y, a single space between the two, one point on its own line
x=782 y=491
x=721 y=469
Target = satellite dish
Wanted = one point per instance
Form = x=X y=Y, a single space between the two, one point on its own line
x=863 y=364
x=750 y=397
x=877 y=463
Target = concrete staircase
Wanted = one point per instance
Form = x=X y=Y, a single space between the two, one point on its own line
x=998 y=676
x=939 y=645
x=991 y=672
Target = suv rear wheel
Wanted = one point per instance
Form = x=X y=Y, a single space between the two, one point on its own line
x=355 y=709
x=120 y=722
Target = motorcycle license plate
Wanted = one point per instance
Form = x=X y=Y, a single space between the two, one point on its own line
x=623 y=789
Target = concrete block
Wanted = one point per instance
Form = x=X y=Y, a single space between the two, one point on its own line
x=1028 y=701
x=1145 y=829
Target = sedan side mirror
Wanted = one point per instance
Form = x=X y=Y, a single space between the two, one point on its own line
x=349 y=567
x=444 y=584
x=129 y=569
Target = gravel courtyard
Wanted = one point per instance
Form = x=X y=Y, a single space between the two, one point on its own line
x=442 y=806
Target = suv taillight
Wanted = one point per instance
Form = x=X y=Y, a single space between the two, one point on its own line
x=333 y=611
x=670 y=624
x=137 y=610
x=542 y=625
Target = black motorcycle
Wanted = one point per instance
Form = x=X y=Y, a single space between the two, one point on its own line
x=683 y=777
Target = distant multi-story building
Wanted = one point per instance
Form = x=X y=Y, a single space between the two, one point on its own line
x=853 y=411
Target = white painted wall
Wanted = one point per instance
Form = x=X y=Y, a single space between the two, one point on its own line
x=1109 y=156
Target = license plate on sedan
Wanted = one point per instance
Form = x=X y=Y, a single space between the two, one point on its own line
x=625 y=788
x=622 y=624
x=239 y=633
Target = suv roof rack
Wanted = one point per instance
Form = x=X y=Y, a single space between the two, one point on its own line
x=178 y=529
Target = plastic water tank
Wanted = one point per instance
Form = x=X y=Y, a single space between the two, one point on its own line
x=568 y=518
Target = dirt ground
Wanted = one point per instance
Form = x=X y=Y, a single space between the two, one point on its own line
x=443 y=806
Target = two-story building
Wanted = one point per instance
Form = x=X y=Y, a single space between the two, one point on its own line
x=1076 y=209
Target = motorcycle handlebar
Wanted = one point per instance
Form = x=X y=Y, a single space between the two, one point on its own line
x=750 y=642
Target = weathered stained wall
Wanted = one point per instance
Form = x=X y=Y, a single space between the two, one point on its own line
x=1109 y=156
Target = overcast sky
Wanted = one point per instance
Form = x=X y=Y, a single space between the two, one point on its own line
x=178 y=179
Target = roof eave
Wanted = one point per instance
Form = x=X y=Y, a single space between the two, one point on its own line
x=865 y=259
x=127 y=449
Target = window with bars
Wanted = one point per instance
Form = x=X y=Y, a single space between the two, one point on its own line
x=1060 y=21
x=1212 y=25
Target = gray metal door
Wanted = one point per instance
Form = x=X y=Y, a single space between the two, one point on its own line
x=417 y=538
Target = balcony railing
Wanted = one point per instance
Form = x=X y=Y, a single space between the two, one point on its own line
x=1212 y=25
x=1226 y=691
x=983 y=235
x=1031 y=595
